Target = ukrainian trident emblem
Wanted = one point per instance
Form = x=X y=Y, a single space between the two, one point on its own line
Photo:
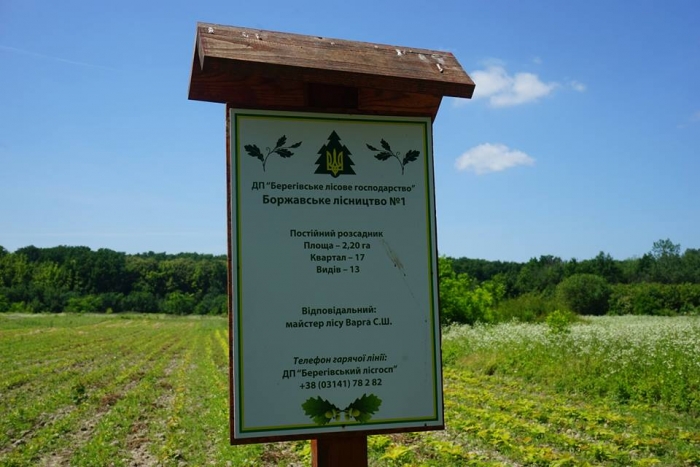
x=334 y=158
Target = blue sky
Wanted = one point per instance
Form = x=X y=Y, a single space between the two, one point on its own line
x=583 y=135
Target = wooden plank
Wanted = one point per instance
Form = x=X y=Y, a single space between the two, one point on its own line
x=246 y=88
x=332 y=54
x=226 y=51
x=341 y=451
x=387 y=102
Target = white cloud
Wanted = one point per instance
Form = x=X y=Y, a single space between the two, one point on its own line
x=458 y=101
x=692 y=120
x=577 y=86
x=488 y=157
x=504 y=90
x=537 y=61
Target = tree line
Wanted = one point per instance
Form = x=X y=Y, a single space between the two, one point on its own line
x=663 y=281
x=664 y=264
x=78 y=279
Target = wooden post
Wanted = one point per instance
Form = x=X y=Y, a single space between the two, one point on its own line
x=345 y=451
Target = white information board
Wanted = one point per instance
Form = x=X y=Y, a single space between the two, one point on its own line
x=335 y=321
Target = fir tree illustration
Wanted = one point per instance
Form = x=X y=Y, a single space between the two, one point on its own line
x=334 y=158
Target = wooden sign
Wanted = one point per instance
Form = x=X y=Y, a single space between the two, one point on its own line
x=332 y=279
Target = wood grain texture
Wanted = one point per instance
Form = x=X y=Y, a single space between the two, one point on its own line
x=347 y=451
x=272 y=70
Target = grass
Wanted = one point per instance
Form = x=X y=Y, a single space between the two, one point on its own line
x=120 y=390
x=654 y=360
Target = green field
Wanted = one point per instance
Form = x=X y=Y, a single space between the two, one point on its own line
x=141 y=390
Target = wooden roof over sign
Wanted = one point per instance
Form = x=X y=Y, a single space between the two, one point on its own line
x=264 y=69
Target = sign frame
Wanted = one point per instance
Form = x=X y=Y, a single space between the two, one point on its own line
x=236 y=185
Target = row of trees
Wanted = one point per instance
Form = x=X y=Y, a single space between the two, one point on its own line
x=663 y=281
x=77 y=279
x=664 y=264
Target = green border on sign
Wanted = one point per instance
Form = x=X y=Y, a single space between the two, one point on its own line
x=236 y=156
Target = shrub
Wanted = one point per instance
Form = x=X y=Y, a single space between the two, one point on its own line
x=654 y=299
x=559 y=322
x=527 y=308
x=178 y=303
x=4 y=303
x=463 y=300
x=585 y=294
x=144 y=302
x=212 y=304
x=85 y=304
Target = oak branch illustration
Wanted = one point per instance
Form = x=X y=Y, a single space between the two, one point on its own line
x=323 y=412
x=386 y=153
x=279 y=149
